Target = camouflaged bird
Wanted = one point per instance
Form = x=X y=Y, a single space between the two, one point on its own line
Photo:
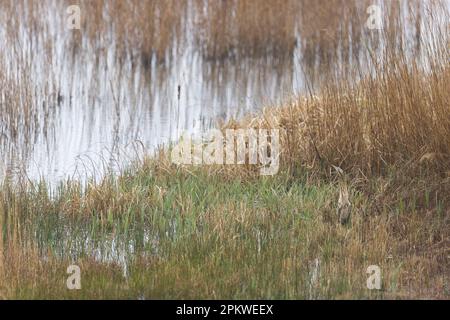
x=344 y=207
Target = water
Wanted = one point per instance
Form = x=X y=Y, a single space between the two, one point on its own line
x=107 y=110
x=95 y=110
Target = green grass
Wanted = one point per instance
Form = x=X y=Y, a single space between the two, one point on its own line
x=201 y=234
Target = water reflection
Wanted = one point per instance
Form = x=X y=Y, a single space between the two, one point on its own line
x=108 y=109
x=78 y=108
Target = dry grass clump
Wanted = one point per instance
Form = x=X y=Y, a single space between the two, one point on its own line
x=400 y=118
x=18 y=260
x=393 y=123
x=397 y=113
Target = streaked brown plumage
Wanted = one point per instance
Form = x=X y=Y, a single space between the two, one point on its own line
x=344 y=205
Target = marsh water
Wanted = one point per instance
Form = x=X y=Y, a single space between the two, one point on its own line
x=108 y=110
x=95 y=110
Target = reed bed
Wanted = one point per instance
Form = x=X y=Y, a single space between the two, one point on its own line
x=19 y=109
x=399 y=117
x=326 y=32
x=391 y=123
x=148 y=28
x=216 y=235
x=396 y=112
x=26 y=104
x=233 y=29
x=226 y=232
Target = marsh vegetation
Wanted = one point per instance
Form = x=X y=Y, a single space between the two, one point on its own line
x=87 y=119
